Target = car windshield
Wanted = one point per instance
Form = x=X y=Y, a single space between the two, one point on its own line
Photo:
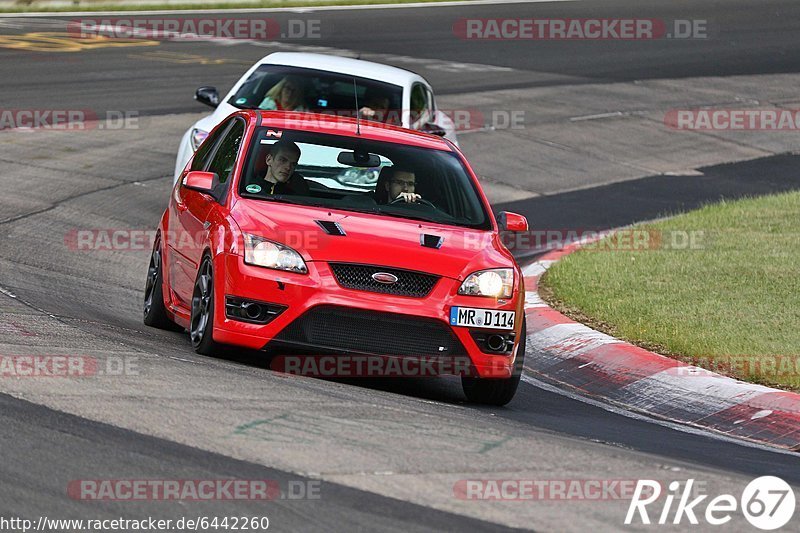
x=326 y=175
x=284 y=88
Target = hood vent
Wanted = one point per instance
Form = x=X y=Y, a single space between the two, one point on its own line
x=331 y=228
x=431 y=241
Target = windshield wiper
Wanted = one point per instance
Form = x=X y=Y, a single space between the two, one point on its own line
x=379 y=211
x=410 y=217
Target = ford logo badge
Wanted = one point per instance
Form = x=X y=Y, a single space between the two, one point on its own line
x=384 y=277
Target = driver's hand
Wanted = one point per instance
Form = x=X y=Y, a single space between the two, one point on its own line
x=408 y=196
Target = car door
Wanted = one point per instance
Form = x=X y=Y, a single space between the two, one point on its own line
x=193 y=210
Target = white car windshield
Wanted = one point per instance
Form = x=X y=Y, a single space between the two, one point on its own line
x=299 y=89
x=356 y=174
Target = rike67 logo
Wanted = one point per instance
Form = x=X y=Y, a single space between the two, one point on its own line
x=767 y=502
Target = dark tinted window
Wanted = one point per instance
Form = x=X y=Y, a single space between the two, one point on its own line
x=225 y=157
x=205 y=149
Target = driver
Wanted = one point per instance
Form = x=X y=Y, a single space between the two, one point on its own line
x=281 y=177
x=401 y=185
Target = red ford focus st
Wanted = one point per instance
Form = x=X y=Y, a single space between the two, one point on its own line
x=310 y=234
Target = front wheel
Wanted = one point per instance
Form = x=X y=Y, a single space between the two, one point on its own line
x=496 y=391
x=201 y=325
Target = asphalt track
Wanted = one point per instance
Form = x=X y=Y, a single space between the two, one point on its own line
x=745 y=38
x=383 y=450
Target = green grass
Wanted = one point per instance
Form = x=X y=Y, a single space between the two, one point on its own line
x=88 y=7
x=732 y=305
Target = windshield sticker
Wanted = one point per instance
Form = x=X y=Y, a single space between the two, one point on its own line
x=253 y=188
x=241 y=101
x=274 y=133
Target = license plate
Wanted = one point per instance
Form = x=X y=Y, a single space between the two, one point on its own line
x=481 y=318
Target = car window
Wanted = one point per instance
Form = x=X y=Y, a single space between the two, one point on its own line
x=201 y=156
x=421 y=111
x=327 y=165
x=225 y=156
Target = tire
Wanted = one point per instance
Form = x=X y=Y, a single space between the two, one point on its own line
x=201 y=323
x=496 y=391
x=154 y=310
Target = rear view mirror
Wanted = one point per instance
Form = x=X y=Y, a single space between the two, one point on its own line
x=359 y=159
x=509 y=221
x=207 y=95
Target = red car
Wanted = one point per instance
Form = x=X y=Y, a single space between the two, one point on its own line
x=311 y=234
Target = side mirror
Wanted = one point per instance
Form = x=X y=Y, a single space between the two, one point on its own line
x=509 y=221
x=207 y=95
x=433 y=129
x=203 y=182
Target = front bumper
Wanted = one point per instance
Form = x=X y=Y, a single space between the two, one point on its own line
x=410 y=326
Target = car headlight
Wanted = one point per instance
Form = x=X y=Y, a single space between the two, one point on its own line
x=497 y=283
x=265 y=253
x=197 y=137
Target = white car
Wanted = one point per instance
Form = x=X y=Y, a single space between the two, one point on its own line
x=324 y=83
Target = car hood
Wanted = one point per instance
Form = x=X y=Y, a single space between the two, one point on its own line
x=372 y=239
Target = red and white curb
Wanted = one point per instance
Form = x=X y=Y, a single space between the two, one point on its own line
x=563 y=352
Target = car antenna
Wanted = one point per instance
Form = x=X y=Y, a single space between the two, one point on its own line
x=358 y=121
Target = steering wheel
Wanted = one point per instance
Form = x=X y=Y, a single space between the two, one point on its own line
x=419 y=201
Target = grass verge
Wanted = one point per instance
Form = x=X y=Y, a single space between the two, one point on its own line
x=729 y=301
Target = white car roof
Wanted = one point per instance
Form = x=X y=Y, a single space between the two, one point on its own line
x=344 y=65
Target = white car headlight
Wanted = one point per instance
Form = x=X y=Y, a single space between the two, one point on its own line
x=265 y=253
x=496 y=283
x=197 y=137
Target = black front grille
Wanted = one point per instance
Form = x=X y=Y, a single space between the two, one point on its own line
x=359 y=277
x=346 y=330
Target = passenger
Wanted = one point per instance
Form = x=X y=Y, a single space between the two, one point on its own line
x=376 y=107
x=280 y=175
x=286 y=95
